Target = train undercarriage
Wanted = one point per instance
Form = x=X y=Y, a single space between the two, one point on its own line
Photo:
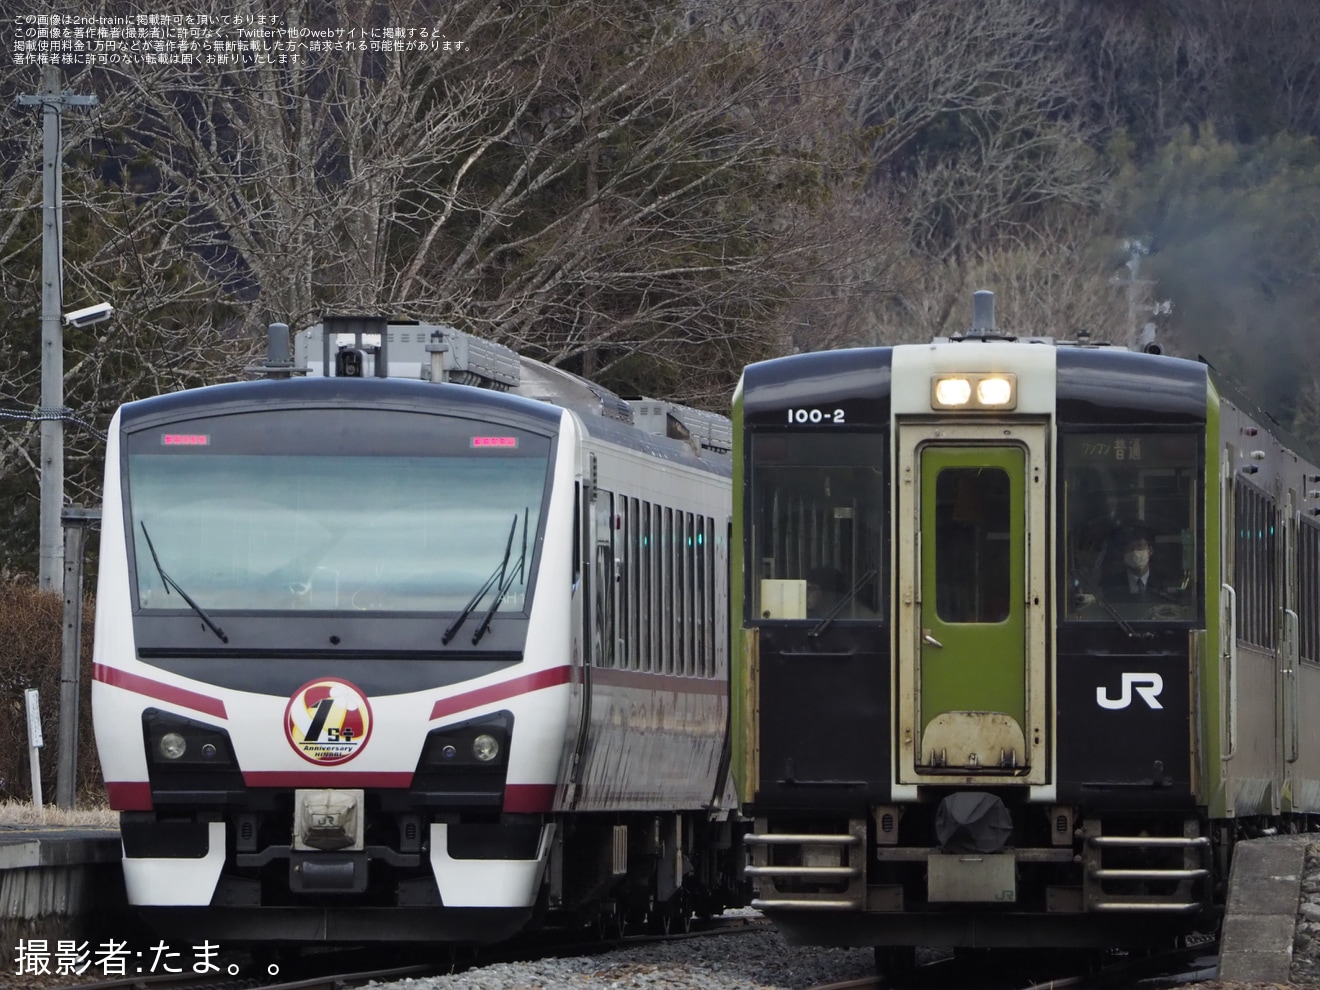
x=415 y=877
x=1030 y=876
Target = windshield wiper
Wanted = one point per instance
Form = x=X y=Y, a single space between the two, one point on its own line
x=823 y=624
x=497 y=575
x=504 y=585
x=1099 y=599
x=169 y=582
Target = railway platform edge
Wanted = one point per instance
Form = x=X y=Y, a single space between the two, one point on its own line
x=56 y=881
x=1260 y=919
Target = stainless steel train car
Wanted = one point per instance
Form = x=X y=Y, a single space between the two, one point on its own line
x=1029 y=629
x=399 y=659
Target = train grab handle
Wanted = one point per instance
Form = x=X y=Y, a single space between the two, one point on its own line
x=1291 y=710
x=1231 y=655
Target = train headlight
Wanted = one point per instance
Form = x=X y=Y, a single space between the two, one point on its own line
x=485 y=747
x=952 y=392
x=997 y=391
x=988 y=391
x=173 y=745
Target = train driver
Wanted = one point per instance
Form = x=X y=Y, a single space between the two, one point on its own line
x=1136 y=582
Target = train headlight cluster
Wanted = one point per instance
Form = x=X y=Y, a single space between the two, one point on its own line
x=481 y=743
x=175 y=741
x=977 y=391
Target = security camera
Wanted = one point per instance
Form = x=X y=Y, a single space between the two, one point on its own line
x=86 y=317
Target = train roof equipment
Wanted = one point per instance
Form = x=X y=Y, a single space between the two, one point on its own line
x=359 y=346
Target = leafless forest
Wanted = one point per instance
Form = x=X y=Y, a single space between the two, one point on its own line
x=657 y=193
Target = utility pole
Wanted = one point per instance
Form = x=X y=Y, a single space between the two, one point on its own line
x=1136 y=249
x=1141 y=330
x=51 y=413
x=76 y=521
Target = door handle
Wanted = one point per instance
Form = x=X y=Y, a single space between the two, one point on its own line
x=927 y=637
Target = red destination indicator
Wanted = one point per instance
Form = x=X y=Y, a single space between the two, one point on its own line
x=185 y=439
x=494 y=441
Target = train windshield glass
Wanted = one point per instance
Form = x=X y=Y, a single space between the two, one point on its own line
x=1134 y=526
x=271 y=530
x=817 y=525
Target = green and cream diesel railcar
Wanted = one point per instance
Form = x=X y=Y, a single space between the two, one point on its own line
x=956 y=722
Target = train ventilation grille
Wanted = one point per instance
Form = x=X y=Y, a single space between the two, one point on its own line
x=245 y=833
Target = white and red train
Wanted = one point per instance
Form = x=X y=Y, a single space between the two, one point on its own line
x=412 y=659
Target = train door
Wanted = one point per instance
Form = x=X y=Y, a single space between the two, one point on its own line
x=972 y=637
x=593 y=578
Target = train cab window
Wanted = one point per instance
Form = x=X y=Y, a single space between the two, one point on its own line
x=286 y=513
x=1133 y=525
x=817 y=526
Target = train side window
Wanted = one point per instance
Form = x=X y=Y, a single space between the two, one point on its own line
x=1132 y=523
x=667 y=648
x=680 y=596
x=698 y=599
x=577 y=534
x=1254 y=573
x=623 y=561
x=818 y=512
x=712 y=589
x=657 y=590
x=1308 y=590
x=690 y=596
x=676 y=556
x=634 y=578
x=703 y=597
x=673 y=525
x=603 y=579
x=644 y=581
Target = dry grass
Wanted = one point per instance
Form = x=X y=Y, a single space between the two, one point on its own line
x=31 y=656
x=21 y=813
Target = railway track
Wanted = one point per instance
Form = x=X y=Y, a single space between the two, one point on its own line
x=345 y=969
x=1003 y=972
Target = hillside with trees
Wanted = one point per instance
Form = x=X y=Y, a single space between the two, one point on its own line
x=657 y=193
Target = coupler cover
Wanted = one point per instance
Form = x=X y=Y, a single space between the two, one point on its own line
x=327 y=820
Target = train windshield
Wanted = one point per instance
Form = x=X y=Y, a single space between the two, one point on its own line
x=1134 y=525
x=818 y=507
x=415 y=517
